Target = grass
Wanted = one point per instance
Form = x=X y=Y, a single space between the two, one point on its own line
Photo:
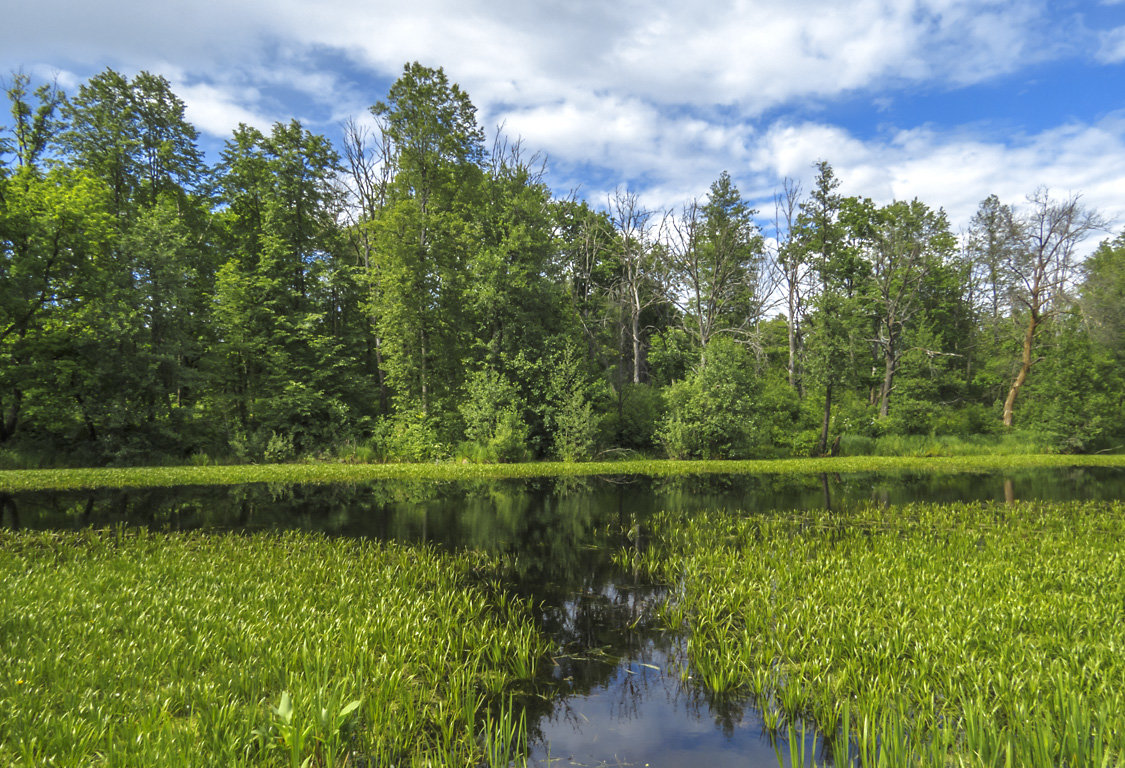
x=72 y=479
x=932 y=635
x=141 y=649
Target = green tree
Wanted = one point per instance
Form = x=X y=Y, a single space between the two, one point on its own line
x=717 y=262
x=1103 y=295
x=134 y=135
x=908 y=242
x=826 y=229
x=287 y=360
x=424 y=236
x=55 y=231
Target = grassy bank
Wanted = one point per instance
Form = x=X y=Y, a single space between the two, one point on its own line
x=959 y=634
x=194 y=650
x=64 y=479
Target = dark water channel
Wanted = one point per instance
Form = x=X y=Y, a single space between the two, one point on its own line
x=615 y=693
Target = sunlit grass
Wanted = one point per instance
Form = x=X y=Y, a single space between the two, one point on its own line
x=959 y=634
x=140 y=649
x=64 y=479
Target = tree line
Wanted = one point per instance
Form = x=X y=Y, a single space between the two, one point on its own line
x=418 y=293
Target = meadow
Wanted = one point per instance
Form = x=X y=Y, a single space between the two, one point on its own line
x=923 y=635
x=139 y=649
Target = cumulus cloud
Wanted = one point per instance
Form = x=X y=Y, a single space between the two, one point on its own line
x=660 y=96
x=956 y=171
x=217 y=111
x=754 y=54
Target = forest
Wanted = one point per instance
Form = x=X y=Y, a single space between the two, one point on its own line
x=418 y=293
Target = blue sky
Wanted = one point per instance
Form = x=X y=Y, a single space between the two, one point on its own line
x=945 y=100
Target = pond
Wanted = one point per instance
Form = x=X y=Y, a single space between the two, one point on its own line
x=616 y=692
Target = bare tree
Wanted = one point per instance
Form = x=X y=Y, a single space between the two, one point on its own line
x=719 y=278
x=1041 y=271
x=794 y=272
x=641 y=282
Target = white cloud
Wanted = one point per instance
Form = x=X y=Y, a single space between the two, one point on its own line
x=218 y=111
x=957 y=171
x=658 y=95
x=756 y=54
x=1112 y=46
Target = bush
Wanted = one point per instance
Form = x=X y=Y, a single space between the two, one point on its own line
x=411 y=436
x=570 y=413
x=711 y=413
x=632 y=417
x=495 y=428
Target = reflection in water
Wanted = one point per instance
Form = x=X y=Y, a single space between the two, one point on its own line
x=615 y=692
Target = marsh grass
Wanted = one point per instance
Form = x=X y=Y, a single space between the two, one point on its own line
x=929 y=634
x=141 y=649
x=69 y=479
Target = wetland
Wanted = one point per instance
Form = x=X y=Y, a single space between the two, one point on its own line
x=867 y=619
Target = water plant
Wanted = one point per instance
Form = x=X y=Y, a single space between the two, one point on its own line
x=928 y=634
x=134 y=648
x=62 y=479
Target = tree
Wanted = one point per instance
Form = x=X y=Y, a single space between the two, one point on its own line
x=795 y=274
x=711 y=414
x=837 y=305
x=135 y=136
x=424 y=235
x=909 y=242
x=1041 y=271
x=285 y=304
x=717 y=261
x=54 y=236
x=34 y=125
x=641 y=282
x=1103 y=295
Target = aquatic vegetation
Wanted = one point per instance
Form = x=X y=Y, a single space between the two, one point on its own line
x=927 y=634
x=61 y=479
x=140 y=649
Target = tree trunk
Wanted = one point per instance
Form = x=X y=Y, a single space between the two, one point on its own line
x=636 y=332
x=1025 y=366
x=793 y=339
x=888 y=380
x=822 y=446
x=11 y=418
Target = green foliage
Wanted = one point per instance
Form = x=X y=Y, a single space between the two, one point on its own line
x=1103 y=295
x=571 y=417
x=153 y=309
x=712 y=413
x=493 y=415
x=633 y=412
x=409 y=436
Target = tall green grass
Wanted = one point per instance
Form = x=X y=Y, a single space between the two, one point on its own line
x=64 y=479
x=140 y=649
x=1007 y=444
x=959 y=634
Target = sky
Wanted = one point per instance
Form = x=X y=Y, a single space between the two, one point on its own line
x=944 y=100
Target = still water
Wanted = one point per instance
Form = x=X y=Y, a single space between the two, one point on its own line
x=615 y=694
